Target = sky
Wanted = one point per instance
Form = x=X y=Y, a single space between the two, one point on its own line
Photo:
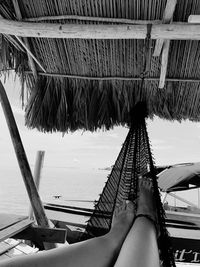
x=172 y=142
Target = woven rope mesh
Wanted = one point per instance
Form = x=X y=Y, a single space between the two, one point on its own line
x=134 y=159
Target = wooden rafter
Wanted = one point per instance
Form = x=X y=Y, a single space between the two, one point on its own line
x=163 y=45
x=164 y=63
x=107 y=78
x=167 y=18
x=31 y=57
x=173 y=31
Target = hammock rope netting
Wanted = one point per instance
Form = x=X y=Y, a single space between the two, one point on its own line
x=134 y=159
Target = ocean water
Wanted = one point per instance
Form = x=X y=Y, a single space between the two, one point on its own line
x=71 y=184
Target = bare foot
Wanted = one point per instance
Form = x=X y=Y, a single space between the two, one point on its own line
x=124 y=214
x=146 y=205
x=122 y=221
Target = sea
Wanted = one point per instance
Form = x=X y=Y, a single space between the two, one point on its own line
x=66 y=184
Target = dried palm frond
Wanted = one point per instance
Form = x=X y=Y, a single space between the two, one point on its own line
x=102 y=77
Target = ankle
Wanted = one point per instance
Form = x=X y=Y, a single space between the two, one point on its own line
x=150 y=220
x=114 y=241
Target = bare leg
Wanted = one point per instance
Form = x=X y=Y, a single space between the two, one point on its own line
x=98 y=252
x=140 y=246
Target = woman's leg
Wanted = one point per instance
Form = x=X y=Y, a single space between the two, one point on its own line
x=140 y=246
x=96 y=252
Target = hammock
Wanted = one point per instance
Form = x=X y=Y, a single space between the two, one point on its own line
x=134 y=159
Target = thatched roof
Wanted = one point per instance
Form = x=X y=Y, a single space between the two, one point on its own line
x=94 y=83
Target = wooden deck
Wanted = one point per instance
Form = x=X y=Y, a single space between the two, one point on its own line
x=10 y=225
x=11 y=248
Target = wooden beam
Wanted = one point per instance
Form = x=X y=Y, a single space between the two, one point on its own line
x=43 y=234
x=91 y=18
x=164 y=63
x=173 y=31
x=167 y=18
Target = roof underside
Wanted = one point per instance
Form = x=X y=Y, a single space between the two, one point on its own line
x=103 y=77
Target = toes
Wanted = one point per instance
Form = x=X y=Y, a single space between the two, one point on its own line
x=129 y=205
x=125 y=205
x=145 y=182
x=119 y=207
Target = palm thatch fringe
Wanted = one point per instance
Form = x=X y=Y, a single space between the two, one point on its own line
x=71 y=104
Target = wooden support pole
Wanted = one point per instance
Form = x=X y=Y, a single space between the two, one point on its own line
x=34 y=197
x=22 y=160
x=173 y=31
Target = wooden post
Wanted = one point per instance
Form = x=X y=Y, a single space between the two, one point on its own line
x=22 y=161
x=37 y=176
x=164 y=63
